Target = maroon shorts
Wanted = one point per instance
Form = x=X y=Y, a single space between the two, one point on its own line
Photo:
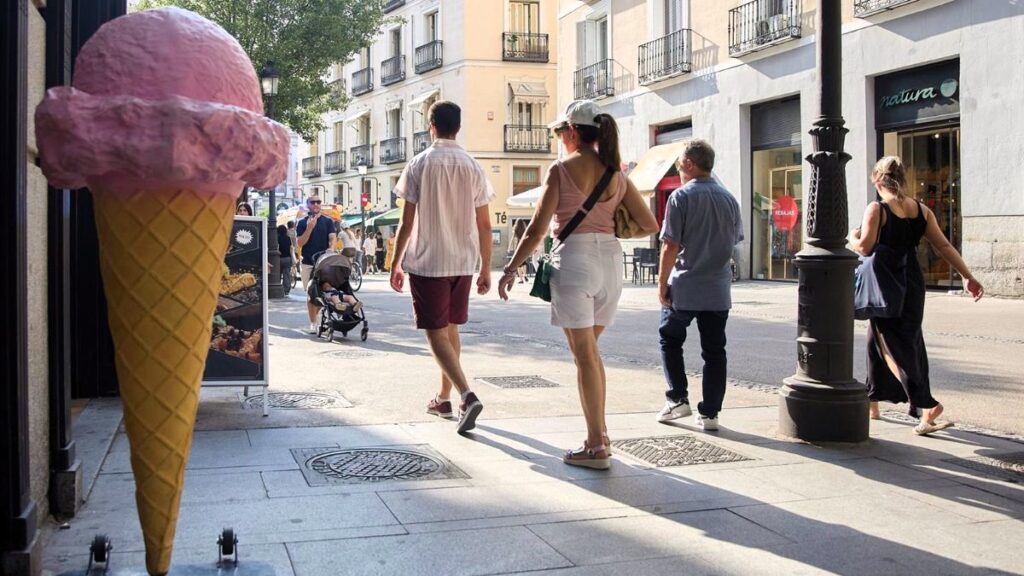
x=438 y=302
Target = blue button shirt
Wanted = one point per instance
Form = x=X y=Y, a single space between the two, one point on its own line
x=704 y=219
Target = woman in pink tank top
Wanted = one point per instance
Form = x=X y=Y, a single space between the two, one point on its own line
x=586 y=279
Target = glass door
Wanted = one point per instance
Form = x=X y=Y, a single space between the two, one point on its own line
x=932 y=160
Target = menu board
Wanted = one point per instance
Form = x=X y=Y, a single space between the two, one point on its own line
x=238 y=344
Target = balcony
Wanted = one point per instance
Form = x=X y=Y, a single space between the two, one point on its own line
x=390 y=5
x=360 y=156
x=524 y=47
x=665 y=57
x=527 y=138
x=761 y=24
x=334 y=162
x=392 y=150
x=429 y=56
x=362 y=81
x=311 y=167
x=594 y=81
x=392 y=70
x=420 y=141
x=865 y=8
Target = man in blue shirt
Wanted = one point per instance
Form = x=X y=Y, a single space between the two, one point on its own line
x=315 y=234
x=702 y=225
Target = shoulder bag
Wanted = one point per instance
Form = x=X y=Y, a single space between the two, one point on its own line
x=880 y=282
x=542 y=279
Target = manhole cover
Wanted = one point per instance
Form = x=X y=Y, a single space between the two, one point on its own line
x=663 y=451
x=296 y=401
x=1009 y=467
x=349 y=354
x=322 y=466
x=518 y=381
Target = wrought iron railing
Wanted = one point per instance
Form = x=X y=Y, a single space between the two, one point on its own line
x=594 y=81
x=762 y=23
x=390 y=5
x=334 y=162
x=524 y=47
x=527 y=138
x=362 y=81
x=392 y=150
x=420 y=141
x=429 y=56
x=862 y=8
x=666 y=56
x=311 y=167
x=361 y=155
x=392 y=70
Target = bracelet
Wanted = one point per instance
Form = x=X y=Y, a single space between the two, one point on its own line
x=509 y=269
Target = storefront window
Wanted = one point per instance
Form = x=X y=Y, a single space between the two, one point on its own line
x=778 y=212
x=932 y=160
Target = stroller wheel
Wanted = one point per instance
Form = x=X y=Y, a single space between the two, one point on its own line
x=365 y=331
x=330 y=334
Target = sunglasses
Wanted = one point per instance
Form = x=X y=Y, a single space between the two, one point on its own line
x=314 y=202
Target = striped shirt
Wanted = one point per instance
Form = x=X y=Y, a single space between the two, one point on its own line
x=447 y=186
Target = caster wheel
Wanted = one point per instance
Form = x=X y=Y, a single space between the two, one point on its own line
x=228 y=545
x=364 y=333
x=330 y=335
x=99 y=552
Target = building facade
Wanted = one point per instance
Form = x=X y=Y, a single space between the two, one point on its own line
x=933 y=81
x=494 y=58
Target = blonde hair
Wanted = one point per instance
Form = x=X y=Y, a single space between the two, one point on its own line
x=890 y=174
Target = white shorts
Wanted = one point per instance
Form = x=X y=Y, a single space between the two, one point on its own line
x=306 y=271
x=586 y=281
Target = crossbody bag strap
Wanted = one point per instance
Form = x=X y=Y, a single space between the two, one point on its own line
x=588 y=204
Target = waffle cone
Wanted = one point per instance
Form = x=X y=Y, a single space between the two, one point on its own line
x=160 y=254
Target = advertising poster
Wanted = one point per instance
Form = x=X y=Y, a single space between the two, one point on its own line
x=238 y=344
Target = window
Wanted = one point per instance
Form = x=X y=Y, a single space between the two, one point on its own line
x=314 y=146
x=524 y=178
x=674 y=16
x=394 y=117
x=396 y=42
x=363 y=131
x=523 y=114
x=524 y=16
x=339 y=133
x=364 y=58
x=430 y=26
x=591 y=41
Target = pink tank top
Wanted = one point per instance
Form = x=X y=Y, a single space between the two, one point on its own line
x=601 y=218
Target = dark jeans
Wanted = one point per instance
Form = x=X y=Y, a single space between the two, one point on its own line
x=711 y=325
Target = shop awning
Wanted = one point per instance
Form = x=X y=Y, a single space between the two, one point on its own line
x=352 y=219
x=393 y=105
x=419 y=100
x=358 y=115
x=525 y=199
x=529 y=92
x=389 y=218
x=653 y=166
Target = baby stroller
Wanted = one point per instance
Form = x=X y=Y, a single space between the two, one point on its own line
x=334 y=268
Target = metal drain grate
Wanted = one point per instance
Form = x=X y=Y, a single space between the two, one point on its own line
x=518 y=382
x=1009 y=467
x=664 y=451
x=323 y=466
x=349 y=354
x=296 y=401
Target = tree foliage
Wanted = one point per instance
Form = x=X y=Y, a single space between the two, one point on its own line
x=303 y=38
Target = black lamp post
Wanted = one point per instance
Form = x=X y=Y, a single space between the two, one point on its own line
x=822 y=401
x=268 y=82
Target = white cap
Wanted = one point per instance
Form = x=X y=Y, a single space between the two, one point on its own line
x=578 y=112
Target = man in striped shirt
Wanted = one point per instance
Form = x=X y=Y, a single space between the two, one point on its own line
x=444 y=238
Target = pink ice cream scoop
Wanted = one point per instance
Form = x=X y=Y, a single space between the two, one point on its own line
x=164 y=125
x=161 y=95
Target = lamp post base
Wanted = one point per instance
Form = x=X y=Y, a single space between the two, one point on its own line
x=820 y=413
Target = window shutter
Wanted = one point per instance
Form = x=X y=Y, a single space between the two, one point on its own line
x=775 y=124
x=581 y=44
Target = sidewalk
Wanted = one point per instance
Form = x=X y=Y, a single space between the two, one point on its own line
x=295 y=486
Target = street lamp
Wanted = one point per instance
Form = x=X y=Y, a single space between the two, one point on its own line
x=822 y=401
x=268 y=83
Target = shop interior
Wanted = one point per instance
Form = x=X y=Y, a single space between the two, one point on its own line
x=777 y=223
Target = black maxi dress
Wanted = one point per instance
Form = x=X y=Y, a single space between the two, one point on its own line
x=903 y=335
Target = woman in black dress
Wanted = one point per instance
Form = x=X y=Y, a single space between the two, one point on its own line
x=897 y=359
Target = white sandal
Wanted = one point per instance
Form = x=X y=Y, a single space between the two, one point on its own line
x=924 y=428
x=587 y=457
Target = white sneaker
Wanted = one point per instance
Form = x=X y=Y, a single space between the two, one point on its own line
x=314 y=327
x=707 y=424
x=674 y=410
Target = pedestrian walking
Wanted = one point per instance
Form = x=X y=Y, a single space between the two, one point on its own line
x=379 y=239
x=702 y=225
x=517 y=237
x=287 y=265
x=295 y=249
x=370 y=253
x=444 y=237
x=315 y=235
x=896 y=356
x=586 y=280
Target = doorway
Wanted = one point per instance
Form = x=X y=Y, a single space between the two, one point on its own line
x=932 y=160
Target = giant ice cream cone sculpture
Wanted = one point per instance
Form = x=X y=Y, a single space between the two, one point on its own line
x=164 y=124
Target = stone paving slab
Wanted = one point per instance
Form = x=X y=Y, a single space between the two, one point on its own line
x=110 y=490
x=450 y=553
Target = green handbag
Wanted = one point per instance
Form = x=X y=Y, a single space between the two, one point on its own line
x=542 y=279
